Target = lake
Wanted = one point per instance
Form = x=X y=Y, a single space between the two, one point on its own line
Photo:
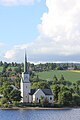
x=71 y=114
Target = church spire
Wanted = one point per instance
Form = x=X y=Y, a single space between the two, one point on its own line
x=25 y=64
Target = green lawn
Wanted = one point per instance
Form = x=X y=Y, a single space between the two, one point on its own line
x=1 y=68
x=68 y=75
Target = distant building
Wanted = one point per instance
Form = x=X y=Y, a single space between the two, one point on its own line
x=32 y=95
x=70 y=68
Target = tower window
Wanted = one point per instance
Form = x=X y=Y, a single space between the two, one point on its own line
x=50 y=98
x=26 y=86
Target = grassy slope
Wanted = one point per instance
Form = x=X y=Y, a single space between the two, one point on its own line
x=68 y=75
x=1 y=68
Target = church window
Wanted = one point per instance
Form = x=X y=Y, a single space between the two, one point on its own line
x=50 y=98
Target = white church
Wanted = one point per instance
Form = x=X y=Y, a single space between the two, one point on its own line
x=32 y=95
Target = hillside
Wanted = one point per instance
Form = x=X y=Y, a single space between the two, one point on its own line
x=69 y=75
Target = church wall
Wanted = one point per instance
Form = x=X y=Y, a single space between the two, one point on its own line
x=50 y=98
x=30 y=98
x=37 y=95
x=25 y=90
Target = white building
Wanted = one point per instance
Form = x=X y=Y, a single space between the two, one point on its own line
x=46 y=93
x=33 y=95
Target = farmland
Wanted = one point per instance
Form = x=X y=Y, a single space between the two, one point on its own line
x=69 y=75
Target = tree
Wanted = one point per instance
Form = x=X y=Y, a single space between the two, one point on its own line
x=17 y=82
x=17 y=69
x=65 y=98
x=56 y=90
x=78 y=82
x=3 y=100
x=53 y=66
x=4 y=69
x=76 y=100
x=5 y=90
x=15 y=95
x=1 y=63
x=55 y=80
x=40 y=85
x=9 y=93
x=44 y=101
x=62 y=80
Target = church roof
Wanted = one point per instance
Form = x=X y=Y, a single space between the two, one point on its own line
x=32 y=91
x=25 y=64
x=45 y=91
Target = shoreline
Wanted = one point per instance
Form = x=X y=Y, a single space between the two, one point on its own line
x=38 y=108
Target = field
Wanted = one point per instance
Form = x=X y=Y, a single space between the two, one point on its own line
x=1 y=69
x=70 y=75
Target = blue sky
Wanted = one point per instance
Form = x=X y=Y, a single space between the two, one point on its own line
x=49 y=30
x=19 y=23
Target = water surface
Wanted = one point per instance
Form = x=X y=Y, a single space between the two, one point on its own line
x=72 y=114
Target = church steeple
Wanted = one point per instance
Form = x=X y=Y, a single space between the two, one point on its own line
x=25 y=82
x=25 y=64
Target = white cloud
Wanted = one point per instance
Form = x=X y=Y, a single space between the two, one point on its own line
x=17 y=2
x=59 y=31
x=1 y=44
x=10 y=54
x=61 y=25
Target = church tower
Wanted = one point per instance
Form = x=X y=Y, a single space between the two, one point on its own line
x=25 y=83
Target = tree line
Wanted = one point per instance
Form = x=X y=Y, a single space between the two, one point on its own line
x=18 y=67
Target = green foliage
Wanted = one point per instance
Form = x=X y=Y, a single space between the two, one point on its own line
x=16 y=82
x=76 y=100
x=44 y=101
x=56 y=90
x=17 y=69
x=3 y=100
x=41 y=85
x=55 y=80
x=65 y=98
x=15 y=95
x=9 y=93
x=5 y=90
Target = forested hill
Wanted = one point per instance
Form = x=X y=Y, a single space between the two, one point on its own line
x=18 y=67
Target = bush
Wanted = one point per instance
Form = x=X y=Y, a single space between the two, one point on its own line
x=3 y=100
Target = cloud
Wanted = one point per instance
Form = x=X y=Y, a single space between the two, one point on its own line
x=1 y=44
x=61 y=25
x=10 y=54
x=59 y=32
x=17 y=2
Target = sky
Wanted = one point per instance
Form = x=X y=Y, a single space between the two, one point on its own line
x=49 y=30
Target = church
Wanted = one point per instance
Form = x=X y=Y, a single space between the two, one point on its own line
x=32 y=95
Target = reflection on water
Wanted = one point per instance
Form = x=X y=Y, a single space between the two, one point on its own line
x=73 y=114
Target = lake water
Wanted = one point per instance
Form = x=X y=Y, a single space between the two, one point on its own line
x=72 y=114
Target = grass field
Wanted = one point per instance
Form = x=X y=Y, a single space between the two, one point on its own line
x=1 y=68
x=72 y=76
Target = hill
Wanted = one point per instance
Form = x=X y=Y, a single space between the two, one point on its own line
x=69 y=75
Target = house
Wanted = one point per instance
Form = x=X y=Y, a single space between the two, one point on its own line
x=33 y=95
